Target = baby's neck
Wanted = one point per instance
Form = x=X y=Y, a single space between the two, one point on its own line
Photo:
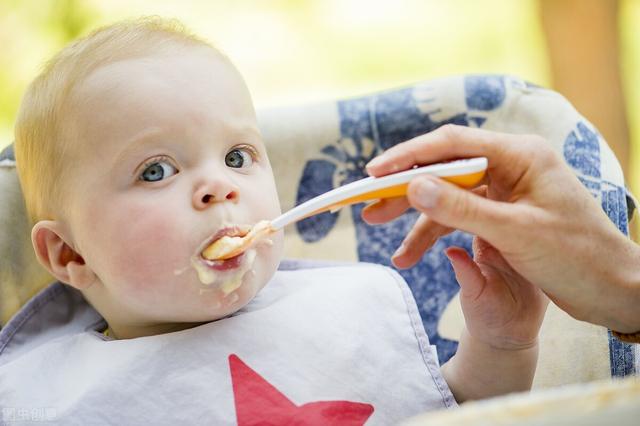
x=121 y=332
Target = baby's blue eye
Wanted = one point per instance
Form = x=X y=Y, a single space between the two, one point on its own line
x=157 y=171
x=238 y=158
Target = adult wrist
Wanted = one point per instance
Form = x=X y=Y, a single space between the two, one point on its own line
x=627 y=337
x=623 y=315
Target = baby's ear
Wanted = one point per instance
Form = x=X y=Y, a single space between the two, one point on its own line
x=49 y=240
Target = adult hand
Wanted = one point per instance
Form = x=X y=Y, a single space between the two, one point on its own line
x=531 y=208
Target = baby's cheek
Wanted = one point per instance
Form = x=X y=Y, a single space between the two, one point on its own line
x=149 y=250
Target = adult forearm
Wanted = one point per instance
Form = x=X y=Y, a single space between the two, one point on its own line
x=480 y=371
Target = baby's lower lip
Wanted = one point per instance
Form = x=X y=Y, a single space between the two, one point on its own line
x=224 y=265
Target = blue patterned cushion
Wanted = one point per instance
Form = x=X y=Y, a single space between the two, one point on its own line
x=370 y=124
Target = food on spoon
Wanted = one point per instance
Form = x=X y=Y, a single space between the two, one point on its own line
x=227 y=247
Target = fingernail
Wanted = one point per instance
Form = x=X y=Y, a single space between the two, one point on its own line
x=375 y=162
x=427 y=192
x=400 y=251
x=446 y=253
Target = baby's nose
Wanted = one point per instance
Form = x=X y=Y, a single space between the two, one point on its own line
x=212 y=192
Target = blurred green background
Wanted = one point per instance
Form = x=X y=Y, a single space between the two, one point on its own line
x=293 y=51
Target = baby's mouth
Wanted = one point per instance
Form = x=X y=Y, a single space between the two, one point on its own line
x=212 y=251
x=226 y=272
x=231 y=242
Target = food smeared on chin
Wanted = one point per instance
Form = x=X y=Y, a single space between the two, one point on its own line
x=227 y=275
x=224 y=259
x=236 y=242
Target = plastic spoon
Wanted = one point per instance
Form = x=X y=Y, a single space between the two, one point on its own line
x=465 y=173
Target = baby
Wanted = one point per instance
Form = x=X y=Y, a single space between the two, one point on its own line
x=137 y=147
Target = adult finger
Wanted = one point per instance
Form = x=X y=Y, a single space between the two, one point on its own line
x=423 y=235
x=384 y=210
x=457 y=208
x=387 y=209
x=504 y=151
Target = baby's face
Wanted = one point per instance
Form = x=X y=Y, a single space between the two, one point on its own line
x=169 y=157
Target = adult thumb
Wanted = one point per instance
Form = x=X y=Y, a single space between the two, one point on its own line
x=459 y=208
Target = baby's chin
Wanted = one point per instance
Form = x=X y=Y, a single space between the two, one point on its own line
x=215 y=292
x=216 y=304
x=231 y=292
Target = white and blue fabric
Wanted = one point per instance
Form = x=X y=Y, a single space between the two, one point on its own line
x=314 y=148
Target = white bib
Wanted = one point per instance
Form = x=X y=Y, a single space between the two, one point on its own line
x=340 y=344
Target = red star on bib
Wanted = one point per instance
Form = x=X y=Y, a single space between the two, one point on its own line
x=258 y=402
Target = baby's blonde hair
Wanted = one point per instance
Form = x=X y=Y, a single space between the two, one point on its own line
x=41 y=143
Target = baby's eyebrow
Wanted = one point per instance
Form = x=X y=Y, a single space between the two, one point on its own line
x=136 y=146
x=138 y=142
x=247 y=131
